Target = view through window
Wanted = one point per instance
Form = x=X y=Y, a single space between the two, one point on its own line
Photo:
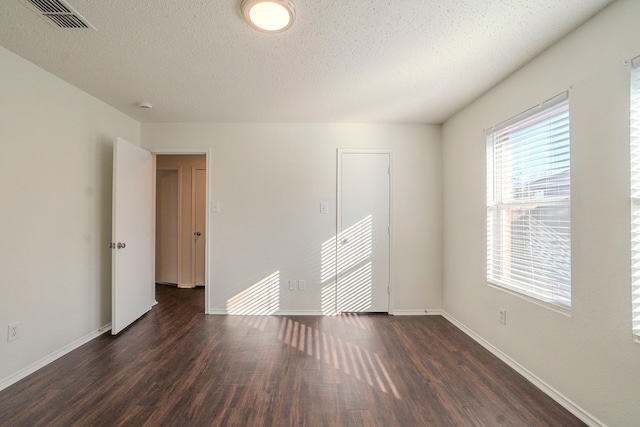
x=529 y=203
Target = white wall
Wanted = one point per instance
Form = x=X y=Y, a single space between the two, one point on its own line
x=588 y=357
x=270 y=180
x=55 y=182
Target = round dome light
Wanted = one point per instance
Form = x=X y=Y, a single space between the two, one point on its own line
x=269 y=16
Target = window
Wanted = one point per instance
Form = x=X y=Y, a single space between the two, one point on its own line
x=635 y=196
x=528 y=203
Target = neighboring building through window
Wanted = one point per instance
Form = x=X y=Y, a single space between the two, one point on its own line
x=529 y=203
x=635 y=196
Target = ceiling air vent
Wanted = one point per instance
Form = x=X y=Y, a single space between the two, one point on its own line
x=58 y=13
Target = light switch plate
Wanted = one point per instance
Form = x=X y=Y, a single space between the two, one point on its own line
x=301 y=285
x=293 y=284
x=324 y=208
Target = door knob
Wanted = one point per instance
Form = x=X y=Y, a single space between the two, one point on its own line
x=197 y=233
x=121 y=245
x=344 y=241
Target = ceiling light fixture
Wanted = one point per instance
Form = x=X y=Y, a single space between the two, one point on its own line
x=269 y=16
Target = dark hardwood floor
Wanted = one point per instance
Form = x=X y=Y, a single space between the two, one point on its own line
x=179 y=367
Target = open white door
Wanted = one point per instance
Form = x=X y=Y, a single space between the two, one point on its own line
x=132 y=234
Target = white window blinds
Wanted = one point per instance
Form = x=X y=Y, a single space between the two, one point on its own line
x=528 y=203
x=635 y=196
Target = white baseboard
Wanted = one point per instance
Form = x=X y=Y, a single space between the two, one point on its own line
x=186 y=285
x=221 y=311
x=417 y=312
x=570 y=406
x=400 y=312
x=28 y=370
x=299 y=313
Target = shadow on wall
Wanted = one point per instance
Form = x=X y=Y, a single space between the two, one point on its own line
x=259 y=299
x=346 y=277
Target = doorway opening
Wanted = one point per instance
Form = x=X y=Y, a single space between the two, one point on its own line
x=181 y=220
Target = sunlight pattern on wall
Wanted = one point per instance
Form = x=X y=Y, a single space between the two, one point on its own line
x=259 y=299
x=354 y=290
x=347 y=257
x=328 y=260
x=355 y=244
x=328 y=299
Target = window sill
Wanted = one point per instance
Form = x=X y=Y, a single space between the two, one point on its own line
x=558 y=309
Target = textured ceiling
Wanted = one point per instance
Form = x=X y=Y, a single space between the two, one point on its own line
x=388 y=61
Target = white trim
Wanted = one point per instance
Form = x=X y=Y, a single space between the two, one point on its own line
x=154 y=231
x=208 y=159
x=300 y=313
x=391 y=231
x=168 y=150
x=193 y=221
x=30 y=369
x=401 y=312
x=225 y=312
x=179 y=214
x=412 y=312
x=570 y=406
x=561 y=97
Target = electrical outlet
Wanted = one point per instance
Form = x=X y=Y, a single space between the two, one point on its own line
x=12 y=331
x=502 y=316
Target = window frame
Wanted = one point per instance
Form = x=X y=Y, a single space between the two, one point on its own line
x=634 y=190
x=531 y=272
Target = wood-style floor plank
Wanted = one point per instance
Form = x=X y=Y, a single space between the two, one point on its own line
x=179 y=367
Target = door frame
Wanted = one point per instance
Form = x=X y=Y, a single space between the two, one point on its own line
x=179 y=231
x=340 y=153
x=194 y=274
x=207 y=153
